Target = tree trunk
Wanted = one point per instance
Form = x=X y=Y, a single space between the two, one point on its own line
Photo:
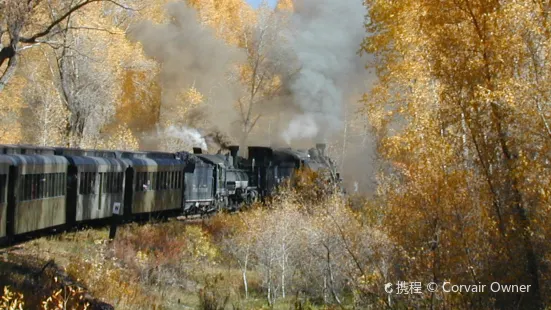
x=5 y=53
x=244 y=271
x=283 y=276
x=519 y=212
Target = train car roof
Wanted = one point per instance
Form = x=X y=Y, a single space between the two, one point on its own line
x=145 y=161
x=99 y=162
x=5 y=163
x=35 y=160
x=24 y=149
x=166 y=155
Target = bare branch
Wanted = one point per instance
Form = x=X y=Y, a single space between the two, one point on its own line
x=46 y=31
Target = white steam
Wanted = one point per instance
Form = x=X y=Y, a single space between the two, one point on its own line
x=326 y=37
x=188 y=136
x=300 y=127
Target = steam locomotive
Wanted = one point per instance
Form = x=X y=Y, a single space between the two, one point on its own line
x=45 y=188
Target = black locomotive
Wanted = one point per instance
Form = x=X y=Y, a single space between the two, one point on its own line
x=44 y=188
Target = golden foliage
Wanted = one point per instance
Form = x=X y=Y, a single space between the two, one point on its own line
x=461 y=117
x=121 y=138
x=110 y=282
x=285 y=5
x=68 y=297
x=229 y=18
x=11 y=105
x=11 y=300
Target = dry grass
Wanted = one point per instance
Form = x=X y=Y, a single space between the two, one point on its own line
x=169 y=265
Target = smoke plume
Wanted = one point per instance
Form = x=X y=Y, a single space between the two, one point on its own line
x=188 y=136
x=190 y=54
x=325 y=39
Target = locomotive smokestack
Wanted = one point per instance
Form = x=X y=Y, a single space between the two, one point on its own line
x=321 y=148
x=234 y=151
x=197 y=150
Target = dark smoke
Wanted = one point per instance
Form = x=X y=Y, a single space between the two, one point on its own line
x=191 y=55
x=325 y=38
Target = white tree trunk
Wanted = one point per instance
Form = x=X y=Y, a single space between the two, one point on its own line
x=245 y=284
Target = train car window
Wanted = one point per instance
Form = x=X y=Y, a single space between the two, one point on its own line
x=49 y=184
x=28 y=187
x=34 y=186
x=45 y=185
x=82 y=182
x=113 y=188
x=2 y=187
x=93 y=183
x=118 y=182
x=87 y=183
x=56 y=184
x=60 y=185
x=122 y=181
x=22 y=187
x=112 y=182
x=37 y=182
x=160 y=176
x=139 y=182
x=145 y=181
x=174 y=179
x=156 y=181
x=105 y=182
x=63 y=179
x=40 y=186
x=53 y=184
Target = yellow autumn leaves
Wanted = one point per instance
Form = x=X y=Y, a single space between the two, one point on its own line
x=48 y=109
x=461 y=112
